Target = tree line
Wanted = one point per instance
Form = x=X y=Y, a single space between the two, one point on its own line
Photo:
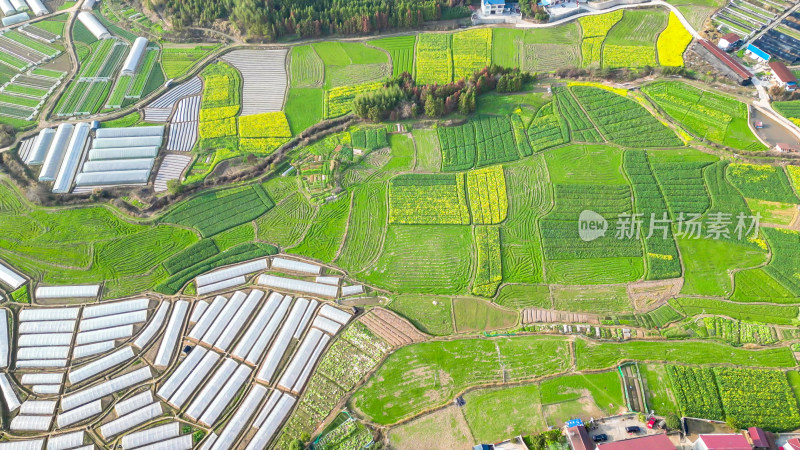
x=402 y=98
x=275 y=19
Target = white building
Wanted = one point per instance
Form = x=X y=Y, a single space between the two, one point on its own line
x=93 y=25
x=492 y=6
x=134 y=56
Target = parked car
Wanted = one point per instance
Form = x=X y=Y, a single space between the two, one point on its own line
x=633 y=429
x=600 y=437
x=651 y=423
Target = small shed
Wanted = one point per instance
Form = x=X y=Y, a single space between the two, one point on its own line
x=729 y=41
x=756 y=53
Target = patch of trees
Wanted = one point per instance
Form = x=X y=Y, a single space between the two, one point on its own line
x=402 y=98
x=6 y=135
x=273 y=19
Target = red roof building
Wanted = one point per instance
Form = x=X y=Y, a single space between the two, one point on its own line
x=652 y=442
x=721 y=442
x=728 y=41
x=783 y=76
x=791 y=444
x=736 y=67
x=759 y=438
x=579 y=439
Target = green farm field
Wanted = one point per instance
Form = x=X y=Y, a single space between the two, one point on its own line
x=465 y=225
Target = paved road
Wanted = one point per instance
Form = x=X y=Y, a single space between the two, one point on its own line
x=592 y=11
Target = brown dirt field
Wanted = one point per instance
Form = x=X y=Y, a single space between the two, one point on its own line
x=392 y=328
x=443 y=430
x=649 y=295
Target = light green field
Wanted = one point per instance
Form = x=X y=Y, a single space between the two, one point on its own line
x=585 y=164
x=431 y=314
x=473 y=314
x=707 y=264
x=429 y=156
x=658 y=393
x=521 y=296
x=596 y=300
x=495 y=414
x=425 y=259
x=592 y=355
x=303 y=108
x=421 y=376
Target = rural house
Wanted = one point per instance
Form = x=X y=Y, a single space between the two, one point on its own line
x=579 y=438
x=652 y=442
x=758 y=438
x=786 y=148
x=492 y=6
x=783 y=76
x=721 y=442
x=729 y=41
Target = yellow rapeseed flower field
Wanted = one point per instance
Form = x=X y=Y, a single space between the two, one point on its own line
x=672 y=42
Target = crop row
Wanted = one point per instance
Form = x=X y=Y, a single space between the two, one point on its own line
x=488 y=200
x=580 y=127
x=271 y=124
x=339 y=100
x=428 y=199
x=434 y=59
x=368 y=139
x=622 y=120
x=547 y=129
x=494 y=140
x=661 y=251
x=559 y=229
x=216 y=211
x=489 y=272
x=458 y=147
x=143 y=73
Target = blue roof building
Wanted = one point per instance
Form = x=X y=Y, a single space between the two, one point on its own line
x=489 y=7
x=757 y=53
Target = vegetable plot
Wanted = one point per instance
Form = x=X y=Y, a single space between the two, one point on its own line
x=428 y=199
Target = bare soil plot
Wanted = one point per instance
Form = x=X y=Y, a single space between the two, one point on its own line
x=445 y=429
x=649 y=295
x=392 y=328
